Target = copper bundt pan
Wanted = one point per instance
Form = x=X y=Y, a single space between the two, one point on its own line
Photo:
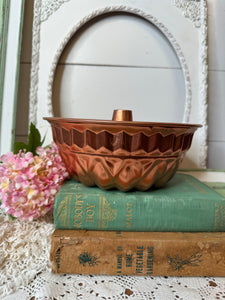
x=121 y=153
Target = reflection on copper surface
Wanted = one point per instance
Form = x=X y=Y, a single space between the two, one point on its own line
x=121 y=154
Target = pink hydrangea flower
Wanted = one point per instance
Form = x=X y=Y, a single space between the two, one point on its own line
x=28 y=184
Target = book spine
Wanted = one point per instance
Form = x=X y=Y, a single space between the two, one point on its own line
x=110 y=212
x=116 y=253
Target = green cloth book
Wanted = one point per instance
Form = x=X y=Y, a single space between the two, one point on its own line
x=183 y=204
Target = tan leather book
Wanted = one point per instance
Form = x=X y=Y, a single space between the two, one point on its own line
x=138 y=253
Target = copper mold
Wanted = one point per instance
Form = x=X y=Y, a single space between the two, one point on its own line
x=121 y=153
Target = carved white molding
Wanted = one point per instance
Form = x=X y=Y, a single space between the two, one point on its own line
x=194 y=11
x=48 y=7
x=191 y=9
x=203 y=85
x=35 y=62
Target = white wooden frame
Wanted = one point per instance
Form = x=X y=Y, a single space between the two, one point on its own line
x=11 y=76
x=56 y=22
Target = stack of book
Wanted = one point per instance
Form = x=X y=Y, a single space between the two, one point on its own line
x=176 y=230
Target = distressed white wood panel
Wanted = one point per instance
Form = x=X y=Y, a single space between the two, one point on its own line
x=94 y=92
x=22 y=103
x=216 y=156
x=216 y=36
x=217 y=105
x=10 y=86
x=125 y=40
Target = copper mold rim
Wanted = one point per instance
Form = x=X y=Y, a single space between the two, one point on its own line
x=59 y=120
x=123 y=141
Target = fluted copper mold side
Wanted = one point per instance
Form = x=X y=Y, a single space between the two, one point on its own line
x=121 y=154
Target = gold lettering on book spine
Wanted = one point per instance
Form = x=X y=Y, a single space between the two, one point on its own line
x=105 y=213
x=78 y=211
x=219 y=223
x=128 y=215
x=63 y=212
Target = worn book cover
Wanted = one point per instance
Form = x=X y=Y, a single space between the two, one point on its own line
x=183 y=204
x=138 y=253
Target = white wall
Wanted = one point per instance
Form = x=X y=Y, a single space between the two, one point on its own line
x=68 y=85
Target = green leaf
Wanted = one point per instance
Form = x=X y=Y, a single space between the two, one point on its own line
x=34 y=139
x=19 y=146
x=13 y=218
